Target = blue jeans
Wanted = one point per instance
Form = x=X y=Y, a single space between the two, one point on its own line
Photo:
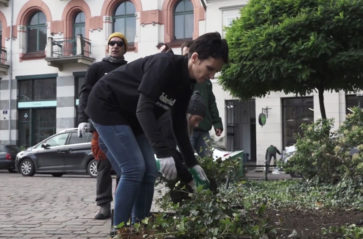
x=133 y=160
x=200 y=141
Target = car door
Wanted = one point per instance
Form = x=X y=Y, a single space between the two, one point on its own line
x=78 y=149
x=50 y=153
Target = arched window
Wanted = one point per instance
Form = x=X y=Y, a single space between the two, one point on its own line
x=183 y=20
x=78 y=29
x=36 y=33
x=124 y=20
x=79 y=24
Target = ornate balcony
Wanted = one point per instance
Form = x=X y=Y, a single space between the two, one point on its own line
x=63 y=52
x=3 y=60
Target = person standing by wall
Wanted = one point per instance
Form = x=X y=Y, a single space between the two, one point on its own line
x=200 y=138
x=116 y=48
x=125 y=106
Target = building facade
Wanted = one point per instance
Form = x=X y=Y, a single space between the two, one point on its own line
x=48 y=45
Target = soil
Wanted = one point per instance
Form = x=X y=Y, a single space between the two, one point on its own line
x=292 y=223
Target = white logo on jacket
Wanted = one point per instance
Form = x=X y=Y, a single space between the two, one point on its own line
x=165 y=101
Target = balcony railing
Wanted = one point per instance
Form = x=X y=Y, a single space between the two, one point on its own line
x=3 y=62
x=62 y=51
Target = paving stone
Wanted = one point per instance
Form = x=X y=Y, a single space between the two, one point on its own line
x=43 y=206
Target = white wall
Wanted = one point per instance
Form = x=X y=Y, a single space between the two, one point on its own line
x=271 y=132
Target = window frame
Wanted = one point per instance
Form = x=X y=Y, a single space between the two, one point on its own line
x=290 y=126
x=184 y=13
x=125 y=17
x=38 y=27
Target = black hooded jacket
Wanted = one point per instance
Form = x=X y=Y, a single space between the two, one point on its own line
x=94 y=73
x=138 y=93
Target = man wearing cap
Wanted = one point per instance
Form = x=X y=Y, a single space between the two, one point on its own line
x=116 y=48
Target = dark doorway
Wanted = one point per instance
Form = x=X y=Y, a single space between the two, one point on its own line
x=241 y=126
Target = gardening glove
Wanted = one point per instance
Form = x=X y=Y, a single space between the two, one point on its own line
x=199 y=176
x=167 y=167
x=83 y=128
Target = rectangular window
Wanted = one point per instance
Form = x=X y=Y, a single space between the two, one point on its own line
x=42 y=39
x=43 y=123
x=189 y=25
x=44 y=89
x=119 y=25
x=131 y=29
x=25 y=90
x=353 y=101
x=179 y=27
x=295 y=111
x=32 y=40
x=37 y=89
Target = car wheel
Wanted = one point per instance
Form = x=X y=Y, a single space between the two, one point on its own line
x=57 y=174
x=27 y=167
x=92 y=168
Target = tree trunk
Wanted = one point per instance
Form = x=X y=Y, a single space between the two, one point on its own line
x=321 y=103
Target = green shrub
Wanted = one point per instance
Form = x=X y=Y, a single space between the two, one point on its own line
x=349 y=146
x=315 y=157
x=212 y=215
x=327 y=156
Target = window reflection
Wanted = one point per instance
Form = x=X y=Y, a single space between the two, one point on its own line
x=36 y=33
x=353 y=101
x=124 y=21
x=295 y=111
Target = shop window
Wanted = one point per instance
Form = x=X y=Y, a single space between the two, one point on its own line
x=36 y=33
x=35 y=124
x=36 y=90
x=183 y=20
x=124 y=21
x=295 y=111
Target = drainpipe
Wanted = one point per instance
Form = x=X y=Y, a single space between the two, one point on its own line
x=10 y=65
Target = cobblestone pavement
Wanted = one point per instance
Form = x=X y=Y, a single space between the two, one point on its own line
x=44 y=206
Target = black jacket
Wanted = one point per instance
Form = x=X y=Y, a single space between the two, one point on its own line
x=138 y=93
x=94 y=73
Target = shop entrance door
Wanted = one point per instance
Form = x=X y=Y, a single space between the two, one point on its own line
x=35 y=124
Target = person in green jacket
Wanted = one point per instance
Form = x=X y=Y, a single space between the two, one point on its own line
x=200 y=138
